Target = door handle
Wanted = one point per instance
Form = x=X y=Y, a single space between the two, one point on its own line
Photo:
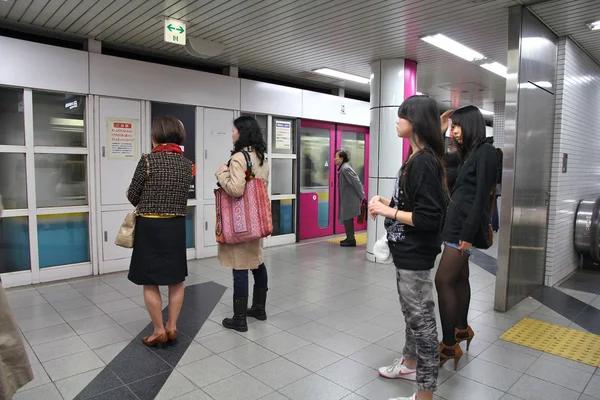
x=105 y=236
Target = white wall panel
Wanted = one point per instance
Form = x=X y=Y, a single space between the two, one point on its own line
x=266 y=98
x=39 y=66
x=325 y=107
x=390 y=145
x=119 y=77
x=217 y=146
x=577 y=116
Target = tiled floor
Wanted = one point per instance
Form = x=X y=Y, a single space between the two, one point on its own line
x=333 y=319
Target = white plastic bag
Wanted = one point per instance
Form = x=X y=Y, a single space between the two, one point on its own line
x=381 y=250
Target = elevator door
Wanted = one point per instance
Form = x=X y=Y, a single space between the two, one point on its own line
x=318 y=208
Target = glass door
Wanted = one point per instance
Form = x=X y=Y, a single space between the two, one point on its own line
x=355 y=140
x=318 y=176
x=317 y=179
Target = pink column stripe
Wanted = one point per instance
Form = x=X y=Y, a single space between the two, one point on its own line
x=410 y=89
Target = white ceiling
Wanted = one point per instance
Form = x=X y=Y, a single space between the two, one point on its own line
x=289 y=38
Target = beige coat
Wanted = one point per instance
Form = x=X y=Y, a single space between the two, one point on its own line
x=15 y=370
x=247 y=255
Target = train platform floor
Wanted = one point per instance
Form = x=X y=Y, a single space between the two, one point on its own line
x=333 y=319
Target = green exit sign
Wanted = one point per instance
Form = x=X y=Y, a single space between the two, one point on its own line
x=175 y=31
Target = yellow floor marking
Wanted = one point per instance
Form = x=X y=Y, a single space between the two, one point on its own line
x=561 y=341
x=361 y=239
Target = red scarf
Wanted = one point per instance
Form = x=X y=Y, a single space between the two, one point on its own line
x=167 y=148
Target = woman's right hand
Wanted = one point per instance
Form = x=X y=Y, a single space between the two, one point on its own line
x=445 y=120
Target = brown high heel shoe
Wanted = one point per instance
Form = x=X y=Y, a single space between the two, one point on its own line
x=464 y=334
x=457 y=354
x=160 y=339
x=172 y=335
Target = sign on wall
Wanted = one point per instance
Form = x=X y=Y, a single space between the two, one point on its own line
x=122 y=138
x=283 y=135
x=175 y=31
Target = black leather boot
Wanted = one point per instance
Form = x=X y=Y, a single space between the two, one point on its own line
x=259 y=301
x=238 y=322
x=348 y=243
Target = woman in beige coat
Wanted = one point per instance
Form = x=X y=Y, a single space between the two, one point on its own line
x=242 y=257
x=15 y=370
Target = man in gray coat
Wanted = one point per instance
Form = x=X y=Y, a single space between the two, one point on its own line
x=351 y=194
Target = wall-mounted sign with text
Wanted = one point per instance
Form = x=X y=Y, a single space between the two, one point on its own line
x=283 y=135
x=175 y=31
x=122 y=138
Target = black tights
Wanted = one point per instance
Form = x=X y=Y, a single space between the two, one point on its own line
x=454 y=292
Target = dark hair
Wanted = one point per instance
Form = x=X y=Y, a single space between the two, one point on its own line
x=343 y=155
x=250 y=136
x=423 y=113
x=167 y=129
x=472 y=125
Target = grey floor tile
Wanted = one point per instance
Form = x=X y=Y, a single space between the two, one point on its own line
x=313 y=331
x=585 y=397
x=531 y=388
x=222 y=341
x=593 y=387
x=93 y=324
x=460 y=388
x=46 y=392
x=287 y=320
x=312 y=311
x=381 y=388
x=62 y=295
x=105 y=337
x=195 y=395
x=122 y=393
x=394 y=342
x=508 y=358
x=70 y=387
x=568 y=363
x=111 y=307
x=77 y=314
x=313 y=357
x=278 y=373
x=176 y=386
x=195 y=352
x=100 y=298
x=485 y=333
x=258 y=330
x=25 y=299
x=46 y=321
x=571 y=378
x=343 y=344
x=136 y=327
x=65 y=305
x=349 y=374
x=509 y=397
x=33 y=312
x=40 y=378
x=495 y=320
x=46 y=335
x=521 y=349
x=31 y=356
x=339 y=321
x=238 y=387
x=248 y=356
x=394 y=323
x=362 y=312
x=131 y=315
x=207 y=371
x=353 y=396
x=60 y=348
x=490 y=374
x=72 y=365
x=274 y=396
x=108 y=353
x=375 y=356
x=314 y=387
x=209 y=328
x=369 y=332
x=283 y=343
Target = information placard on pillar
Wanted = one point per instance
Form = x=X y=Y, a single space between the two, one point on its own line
x=175 y=31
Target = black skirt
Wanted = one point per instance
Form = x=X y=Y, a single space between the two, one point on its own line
x=159 y=252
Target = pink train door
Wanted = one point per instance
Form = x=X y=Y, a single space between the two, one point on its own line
x=318 y=214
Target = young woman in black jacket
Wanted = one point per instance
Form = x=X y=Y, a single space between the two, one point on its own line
x=467 y=225
x=413 y=219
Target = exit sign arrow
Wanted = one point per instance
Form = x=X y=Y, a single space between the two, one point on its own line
x=172 y=28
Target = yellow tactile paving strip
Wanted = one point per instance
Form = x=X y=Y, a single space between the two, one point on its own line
x=361 y=239
x=564 y=342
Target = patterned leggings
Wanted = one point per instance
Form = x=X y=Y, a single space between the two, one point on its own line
x=415 y=289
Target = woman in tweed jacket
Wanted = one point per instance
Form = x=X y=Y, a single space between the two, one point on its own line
x=159 y=190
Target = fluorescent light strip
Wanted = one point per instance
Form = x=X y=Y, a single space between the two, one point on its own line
x=452 y=46
x=341 y=75
x=594 y=25
x=496 y=68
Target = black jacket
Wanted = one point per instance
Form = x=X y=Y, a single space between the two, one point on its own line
x=468 y=215
x=452 y=161
x=416 y=247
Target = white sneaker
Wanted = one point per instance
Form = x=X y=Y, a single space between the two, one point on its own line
x=413 y=397
x=398 y=371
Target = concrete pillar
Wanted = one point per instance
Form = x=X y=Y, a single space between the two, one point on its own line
x=392 y=81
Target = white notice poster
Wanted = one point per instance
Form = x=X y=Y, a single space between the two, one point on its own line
x=283 y=135
x=122 y=138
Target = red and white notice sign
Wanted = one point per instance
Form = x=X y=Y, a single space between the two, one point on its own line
x=122 y=138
